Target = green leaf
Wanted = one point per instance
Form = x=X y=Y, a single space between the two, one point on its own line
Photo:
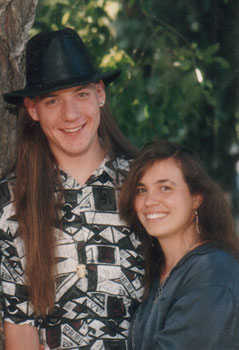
x=65 y=18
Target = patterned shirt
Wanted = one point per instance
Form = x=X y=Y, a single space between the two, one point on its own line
x=98 y=283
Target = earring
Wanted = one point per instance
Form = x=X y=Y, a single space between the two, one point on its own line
x=102 y=103
x=198 y=230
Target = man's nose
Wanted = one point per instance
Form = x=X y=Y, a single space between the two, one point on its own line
x=71 y=110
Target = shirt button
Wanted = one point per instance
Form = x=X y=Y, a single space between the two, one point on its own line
x=81 y=270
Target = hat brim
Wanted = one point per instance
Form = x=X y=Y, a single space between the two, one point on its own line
x=16 y=97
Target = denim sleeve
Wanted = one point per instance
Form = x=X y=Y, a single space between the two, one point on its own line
x=207 y=319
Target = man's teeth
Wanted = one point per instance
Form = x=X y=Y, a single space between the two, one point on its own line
x=156 y=215
x=73 y=130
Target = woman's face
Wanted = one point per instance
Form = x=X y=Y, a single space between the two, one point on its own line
x=163 y=202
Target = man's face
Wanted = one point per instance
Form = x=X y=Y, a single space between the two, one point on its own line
x=70 y=119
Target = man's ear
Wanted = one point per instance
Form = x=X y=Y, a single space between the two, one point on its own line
x=30 y=105
x=197 y=200
x=100 y=88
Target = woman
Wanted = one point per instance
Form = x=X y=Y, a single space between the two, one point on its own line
x=191 y=298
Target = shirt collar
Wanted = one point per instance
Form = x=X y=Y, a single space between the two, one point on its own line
x=70 y=182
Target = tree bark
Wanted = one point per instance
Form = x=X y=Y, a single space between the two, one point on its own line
x=16 y=19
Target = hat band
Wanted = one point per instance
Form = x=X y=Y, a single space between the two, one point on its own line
x=56 y=80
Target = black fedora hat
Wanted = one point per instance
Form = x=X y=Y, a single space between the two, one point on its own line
x=57 y=60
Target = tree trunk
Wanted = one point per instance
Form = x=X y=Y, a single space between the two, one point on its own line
x=16 y=19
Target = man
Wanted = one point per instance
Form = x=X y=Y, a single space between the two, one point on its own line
x=70 y=266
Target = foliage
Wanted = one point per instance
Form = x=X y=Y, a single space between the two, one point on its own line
x=177 y=78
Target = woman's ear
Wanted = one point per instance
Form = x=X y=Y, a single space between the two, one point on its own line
x=197 y=201
x=29 y=103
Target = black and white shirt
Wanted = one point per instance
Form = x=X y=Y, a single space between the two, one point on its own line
x=99 y=279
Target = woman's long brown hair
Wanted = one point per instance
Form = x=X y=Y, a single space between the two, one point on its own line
x=37 y=202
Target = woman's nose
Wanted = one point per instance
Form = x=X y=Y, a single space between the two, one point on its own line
x=152 y=199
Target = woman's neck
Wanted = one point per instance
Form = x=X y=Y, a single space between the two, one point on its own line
x=174 y=251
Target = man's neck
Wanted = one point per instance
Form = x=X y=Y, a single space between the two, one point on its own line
x=81 y=168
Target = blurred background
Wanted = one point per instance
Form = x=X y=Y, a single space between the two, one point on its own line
x=180 y=71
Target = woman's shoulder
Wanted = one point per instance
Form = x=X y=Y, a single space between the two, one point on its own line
x=209 y=264
x=211 y=255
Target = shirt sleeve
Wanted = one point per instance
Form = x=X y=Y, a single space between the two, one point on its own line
x=204 y=319
x=15 y=302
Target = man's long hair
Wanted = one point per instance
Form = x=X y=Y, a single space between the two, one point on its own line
x=38 y=199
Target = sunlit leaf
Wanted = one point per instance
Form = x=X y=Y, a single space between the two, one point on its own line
x=65 y=18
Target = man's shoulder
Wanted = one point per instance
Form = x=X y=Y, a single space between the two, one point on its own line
x=117 y=168
x=119 y=163
x=6 y=185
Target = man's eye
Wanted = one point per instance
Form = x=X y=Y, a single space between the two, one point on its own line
x=83 y=94
x=51 y=102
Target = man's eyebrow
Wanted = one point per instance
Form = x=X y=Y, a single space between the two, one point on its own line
x=82 y=87
x=56 y=94
x=47 y=95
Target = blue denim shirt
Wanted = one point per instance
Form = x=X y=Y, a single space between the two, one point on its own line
x=198 y=308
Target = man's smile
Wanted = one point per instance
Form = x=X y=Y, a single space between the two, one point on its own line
x=72 y=130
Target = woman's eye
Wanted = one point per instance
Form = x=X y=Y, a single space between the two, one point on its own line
x=165 y=188
x=140 y=190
